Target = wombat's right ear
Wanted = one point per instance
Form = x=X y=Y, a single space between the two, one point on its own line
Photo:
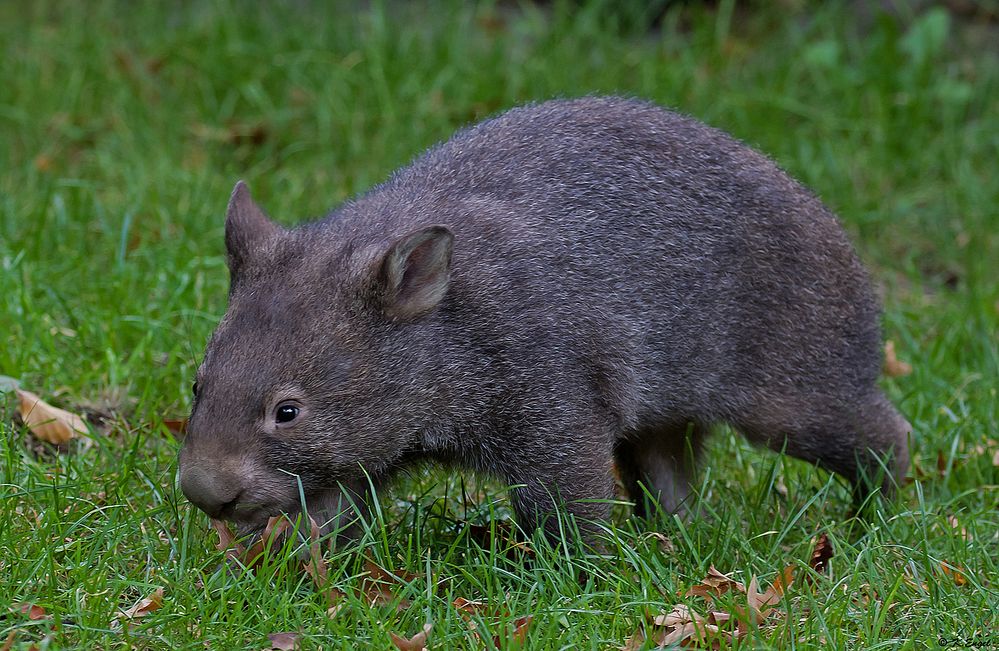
x=247 y=228
x=415 y=272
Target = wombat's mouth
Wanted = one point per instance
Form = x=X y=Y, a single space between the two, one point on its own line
x=250 y=518
x=329 y=508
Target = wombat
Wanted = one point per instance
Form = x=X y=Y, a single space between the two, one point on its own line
x=565 y=286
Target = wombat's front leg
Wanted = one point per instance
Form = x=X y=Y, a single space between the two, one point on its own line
x=553 y=484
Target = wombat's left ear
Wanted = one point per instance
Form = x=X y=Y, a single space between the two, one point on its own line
x=247 y=228
x=415 y=272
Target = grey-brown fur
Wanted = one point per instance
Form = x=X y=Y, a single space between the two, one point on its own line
x=561 y=286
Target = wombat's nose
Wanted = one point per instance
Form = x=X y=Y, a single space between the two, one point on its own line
x=212 y=492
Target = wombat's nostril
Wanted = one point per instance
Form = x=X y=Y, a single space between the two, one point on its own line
x=213 y=493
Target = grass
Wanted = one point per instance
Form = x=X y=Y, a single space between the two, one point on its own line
x=122 y=129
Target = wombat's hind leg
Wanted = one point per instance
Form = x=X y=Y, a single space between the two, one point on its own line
x=883 y=450
x=657 y=466
x=866 y=441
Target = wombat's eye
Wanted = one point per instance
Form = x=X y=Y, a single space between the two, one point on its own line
x=286 y=413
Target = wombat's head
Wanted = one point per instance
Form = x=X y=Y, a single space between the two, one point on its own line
x=318 y=373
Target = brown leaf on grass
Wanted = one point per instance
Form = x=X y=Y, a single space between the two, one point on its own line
x=284 y=641
x=715 y=584
x=665 y=544
x=317 y=568
x=955 y=572
x=43 y=162
x=635 y=642
x=416 y=643
x=955 y=525
x=822 y=551
x=227 y=541
x=783 y=581
x=760 y=603
x=377 y=586
x=894 y=367
x=177 y=426
x=250 y=557
x=9 y=642
x=941 y=463
x=48 y=423
x=275 y=527
x=33 y=611
x=144 y=606
x=686 y=627
x=516 y=633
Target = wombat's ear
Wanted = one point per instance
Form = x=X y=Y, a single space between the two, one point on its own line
x=247 y=228
x=415 y=272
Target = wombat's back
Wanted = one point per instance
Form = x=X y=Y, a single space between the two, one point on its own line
x=691 y=275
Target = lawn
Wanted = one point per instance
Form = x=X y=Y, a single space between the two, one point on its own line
x=123 y=127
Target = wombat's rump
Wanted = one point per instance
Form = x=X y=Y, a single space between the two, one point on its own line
x=554 y=289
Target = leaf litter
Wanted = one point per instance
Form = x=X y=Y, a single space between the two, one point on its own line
x=732 y=610
x=416 y=643
x=894 y=367
x=515 y=632
x=48 y=423
x=377 y=587
x=284 y=641
x=145 y=606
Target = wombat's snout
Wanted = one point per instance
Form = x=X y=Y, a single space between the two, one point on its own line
x=210 y=488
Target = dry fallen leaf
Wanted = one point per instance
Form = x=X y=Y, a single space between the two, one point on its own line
x=316 y=568
x=519 y=633
x=50 y=424
x=33 y=611
x=177 y=426
x=284 y=641
x=144 y=606
x=686 y=627
x=276 y=525
x=516 y=634
x=43 y=163
x=227 y=541
x=9 y=642
x=377 y=585
x=665 y=544
x=714 y=584
x=894 y=367
x=955 y=525
x=252 y=557
x=416 y=643
x=822 y=551
x=955 y=572
x=941 y=463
